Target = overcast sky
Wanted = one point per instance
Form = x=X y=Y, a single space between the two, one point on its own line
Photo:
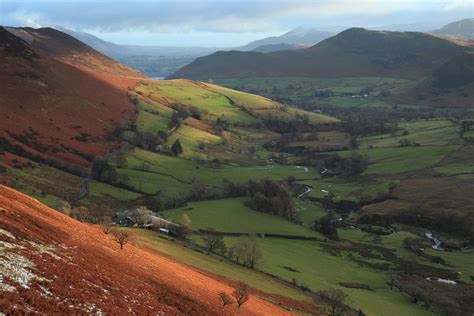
x=221 y=22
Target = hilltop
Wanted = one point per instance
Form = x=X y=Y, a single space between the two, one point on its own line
x=52 y=263
x=463 y=29
x=353 y=52
x=300 y=36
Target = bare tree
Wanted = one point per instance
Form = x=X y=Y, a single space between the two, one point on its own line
x=249 y=250
x=213 y=241
x=142 y=216
x=81 y=213
x=185 y=228
x=335 y=299
x=121 y=237
x=241 y=293
x=106 y=224
x=226 y=299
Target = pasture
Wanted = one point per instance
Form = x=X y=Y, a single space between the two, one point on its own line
x=398 y=160
x=309 y=264
x=232 y=215
x=422 y=132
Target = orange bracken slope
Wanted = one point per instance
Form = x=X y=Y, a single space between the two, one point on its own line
x=53 y=264
x=60 y=98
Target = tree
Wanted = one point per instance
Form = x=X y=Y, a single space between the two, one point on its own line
x=106 y=224
x=326 y=226
x=447 y=307
x=241 y=293
x=185 y=228
x=416 y=292
x=176 y=148
x=121 y=237
x=174 y=121
x=81 y=213
x=353 y=142
x=214 y=241
x=226 y=299
x=142 y=216
x=121 y=159
x=249 y=250
x=335 y=299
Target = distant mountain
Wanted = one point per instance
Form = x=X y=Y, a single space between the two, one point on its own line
x=155 y=61
x=277 y=47
x=117 y=51
x=412 y=27
x=299 y=36
x=354 y=52
x=463 y=29
x=105 y=47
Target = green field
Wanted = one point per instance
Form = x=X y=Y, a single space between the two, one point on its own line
x=319 y=269
x=298 y=89
x=190 y=138
x=456 y=168
x=424 y=133
x=350 y=190
x=99 y=189
x=309 y=212
x=231 y=215
x=176 y=175
x=194 y=94
x=151 y=123
x=215 y=265
x=397 y=160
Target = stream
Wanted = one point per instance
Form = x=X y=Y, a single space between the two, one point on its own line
x=437 y=244
x=307 y=189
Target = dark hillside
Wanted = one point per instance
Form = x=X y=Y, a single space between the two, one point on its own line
x=351 y=53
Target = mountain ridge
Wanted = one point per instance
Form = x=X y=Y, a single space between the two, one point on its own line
x=353 y=52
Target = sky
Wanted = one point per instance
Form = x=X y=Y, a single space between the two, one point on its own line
x=223 y=23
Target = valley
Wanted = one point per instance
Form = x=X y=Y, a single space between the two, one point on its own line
x=328 y=178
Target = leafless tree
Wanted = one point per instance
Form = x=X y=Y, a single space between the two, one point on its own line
x=249 y=250
x=226 y=299
x=335 y=298
x=106 y=224
x=121 y=237
x=142 y=216
x=213 y=241
x=185 y=228
x=241 y=293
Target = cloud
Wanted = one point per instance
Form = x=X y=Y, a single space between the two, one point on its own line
x=226 y=16
x=459 y=4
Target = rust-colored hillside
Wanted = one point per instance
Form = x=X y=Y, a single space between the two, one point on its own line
x=53 y=264
x=60 y=98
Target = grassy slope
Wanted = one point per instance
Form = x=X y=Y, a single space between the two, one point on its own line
x=398 y=160
x=425 y=133
x=296 y=89
x=215 y=264
x=231 y=215
x=319 y=270
x=176 y=174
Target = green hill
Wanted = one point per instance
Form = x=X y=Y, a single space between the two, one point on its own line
x=353 y=52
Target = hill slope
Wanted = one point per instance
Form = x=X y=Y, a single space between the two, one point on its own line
x=53 y=264
x=354 y=52
x=296 y=37
x=50 y=95
x=463 y=29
